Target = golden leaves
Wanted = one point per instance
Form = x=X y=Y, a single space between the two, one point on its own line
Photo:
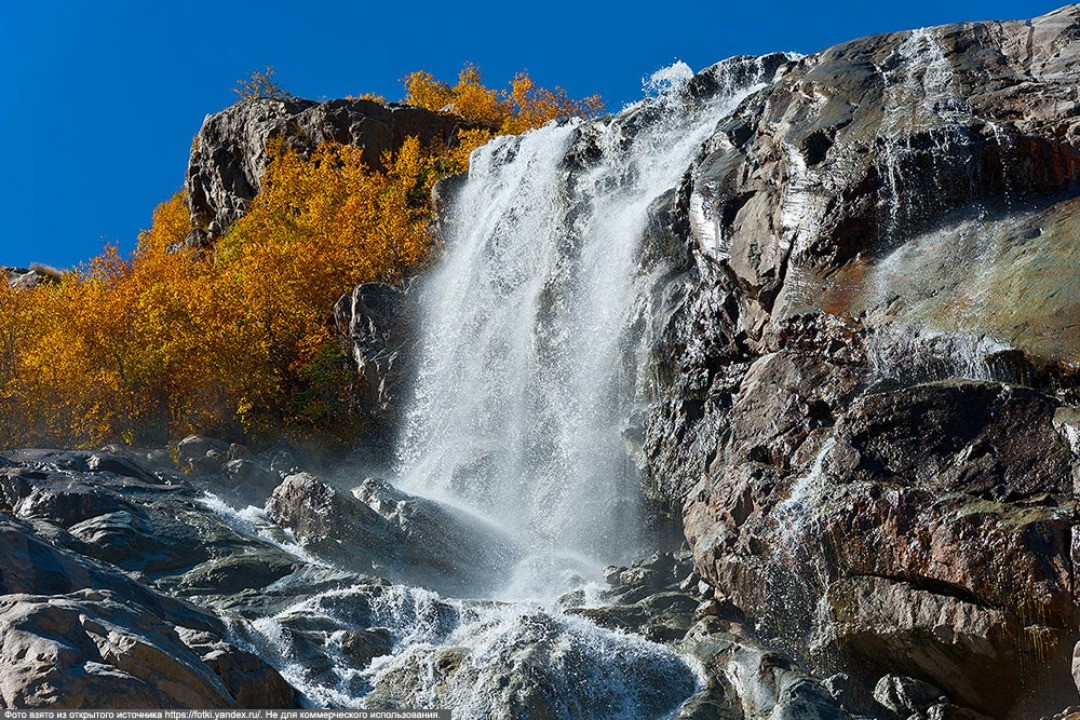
x=521 y=107
x=171 y=340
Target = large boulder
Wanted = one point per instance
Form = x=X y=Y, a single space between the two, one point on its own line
x=379 y=529
x=90 y=649
x=229 y=155
x=930 y=534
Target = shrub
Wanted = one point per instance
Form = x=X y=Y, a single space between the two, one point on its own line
x=261 y=85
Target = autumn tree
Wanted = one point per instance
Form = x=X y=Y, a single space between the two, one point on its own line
x=520 y=107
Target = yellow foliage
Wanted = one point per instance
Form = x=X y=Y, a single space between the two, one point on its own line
x=373 y=97
x=319 y=227
x=233 y=342
x=521 y=107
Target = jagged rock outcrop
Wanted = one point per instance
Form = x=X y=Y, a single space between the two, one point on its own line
x=379 y=529
x=377 y=329
x=29 y=278
x=229 y=155
x=868 y=355
x=100 y=556
x=78 y=633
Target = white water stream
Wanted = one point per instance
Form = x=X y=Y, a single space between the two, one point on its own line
x=530 y=356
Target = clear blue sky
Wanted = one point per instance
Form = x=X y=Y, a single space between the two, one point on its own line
x=100 y=99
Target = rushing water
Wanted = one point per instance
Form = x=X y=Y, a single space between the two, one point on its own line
x=530 y=359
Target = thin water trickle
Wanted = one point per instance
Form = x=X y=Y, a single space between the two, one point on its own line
x=922 y=97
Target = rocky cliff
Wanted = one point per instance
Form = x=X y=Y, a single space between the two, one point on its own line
x=867 y=369
x=229 y=155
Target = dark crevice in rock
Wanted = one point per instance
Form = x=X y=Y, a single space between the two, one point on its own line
x=936 y=587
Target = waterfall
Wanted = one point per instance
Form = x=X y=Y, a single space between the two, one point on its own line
x=530 y=355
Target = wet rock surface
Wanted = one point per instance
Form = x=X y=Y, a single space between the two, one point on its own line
x=375 y=325
x=98 y=557
x=127 y=581
x=379 y=529
x=662 y=598
x=865 y=349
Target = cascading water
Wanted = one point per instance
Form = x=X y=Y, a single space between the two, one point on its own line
x=922 y=99
x=530 y=354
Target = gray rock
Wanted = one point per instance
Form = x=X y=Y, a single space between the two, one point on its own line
x=200 y=454
x=164 y=532
x=89 y=649
x=749 y=680
x=376 y=325
x=328 y=522
x=249 y=680
x=380 y=529
x=906 y=695
x=1076 y=665
x=29 y=278
x=613 y=574
x=78 y=633
x=229 y=155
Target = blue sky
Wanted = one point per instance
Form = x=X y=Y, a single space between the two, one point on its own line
x=100 y=99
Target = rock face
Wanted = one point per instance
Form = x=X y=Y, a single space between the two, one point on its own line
x=229 y=155
x=869 y=354
x=379 y=529
x=375 y=324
